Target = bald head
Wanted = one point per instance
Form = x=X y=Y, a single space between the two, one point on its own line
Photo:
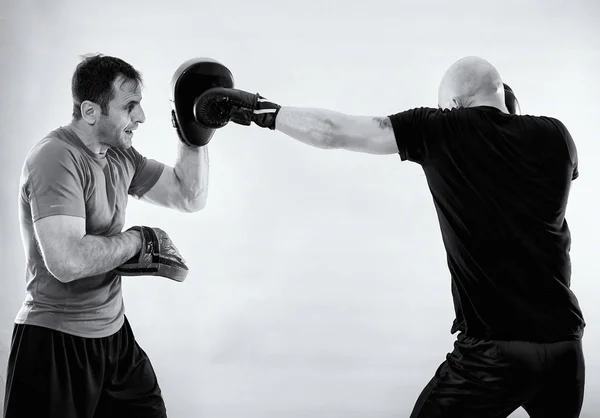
x=469 y=82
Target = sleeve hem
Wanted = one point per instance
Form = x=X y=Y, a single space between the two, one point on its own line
x=401 y=144
x=54 y=213
x=139 y=193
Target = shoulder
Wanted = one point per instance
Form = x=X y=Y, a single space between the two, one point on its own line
x=549 y=129
x=423 y=111
x=556 y=124
x=564 y=136
x=52 y=159
x=51 y=148
x=55 y=159
x=546 y=122
x=418 y=118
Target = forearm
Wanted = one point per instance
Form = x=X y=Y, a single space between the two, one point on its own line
x=316 y=127
x=93 y=255
x=191 y=169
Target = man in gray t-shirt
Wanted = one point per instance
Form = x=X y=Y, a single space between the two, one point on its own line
x=73 y=353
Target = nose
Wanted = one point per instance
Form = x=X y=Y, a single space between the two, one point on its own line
x=139 y=116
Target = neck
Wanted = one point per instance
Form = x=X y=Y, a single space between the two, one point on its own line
x=86 y=133
x=494 y=101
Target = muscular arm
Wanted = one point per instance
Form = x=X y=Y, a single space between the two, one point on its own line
x=70 y=254
x=328 y=129
x=185 y=186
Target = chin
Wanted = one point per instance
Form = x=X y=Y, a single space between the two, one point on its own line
x=125 y=143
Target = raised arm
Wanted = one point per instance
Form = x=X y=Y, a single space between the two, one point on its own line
x=184 y=186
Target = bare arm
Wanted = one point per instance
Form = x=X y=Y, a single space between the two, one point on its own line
x=71 y=255
x=185 y=186
x=328 y=129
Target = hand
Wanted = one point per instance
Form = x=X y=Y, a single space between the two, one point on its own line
x=158 y=256
x=219 y=105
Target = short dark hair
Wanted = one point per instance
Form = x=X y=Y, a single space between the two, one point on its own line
x=93 y=79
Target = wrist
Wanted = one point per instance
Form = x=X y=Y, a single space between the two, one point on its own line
x=134 y=237
x=190 y=149
x=265 y=113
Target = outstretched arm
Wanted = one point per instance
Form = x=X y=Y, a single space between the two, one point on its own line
x=329 y=129
x=320 y=128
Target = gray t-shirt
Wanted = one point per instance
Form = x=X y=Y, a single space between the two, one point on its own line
x=61 y=176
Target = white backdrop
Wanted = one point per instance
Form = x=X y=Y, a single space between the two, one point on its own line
x=318 y=283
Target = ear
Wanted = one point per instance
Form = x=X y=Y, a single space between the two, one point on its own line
x=89 y=111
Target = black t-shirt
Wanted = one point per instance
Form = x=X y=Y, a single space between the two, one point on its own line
x=500 y=185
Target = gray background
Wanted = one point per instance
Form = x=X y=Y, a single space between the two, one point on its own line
x=318 y=285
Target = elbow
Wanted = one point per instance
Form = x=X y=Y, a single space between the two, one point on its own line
x=63 y=260
x=195 y=204
x=60 y=270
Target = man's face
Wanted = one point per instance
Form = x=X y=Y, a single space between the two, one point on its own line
x=125 y=113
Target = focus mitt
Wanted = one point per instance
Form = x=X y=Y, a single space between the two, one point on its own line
x=158 y=257
x=189 y=81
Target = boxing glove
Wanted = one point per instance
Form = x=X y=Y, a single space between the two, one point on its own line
x=219 y=105
x=512 y=104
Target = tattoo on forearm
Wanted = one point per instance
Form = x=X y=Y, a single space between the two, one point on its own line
x=384 y=123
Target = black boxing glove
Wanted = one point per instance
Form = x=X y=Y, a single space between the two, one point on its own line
x=217 y=106
x=512 y=104
x=158 y=257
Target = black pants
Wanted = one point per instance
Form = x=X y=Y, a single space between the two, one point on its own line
x=56 y=375
x=491 y=379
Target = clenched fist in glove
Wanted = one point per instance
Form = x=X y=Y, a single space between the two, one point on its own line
x=512 y=104
x=158 y=257
x=217 y=106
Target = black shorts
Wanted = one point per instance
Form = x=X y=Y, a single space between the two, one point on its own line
x=485 y=379
x=56 y=375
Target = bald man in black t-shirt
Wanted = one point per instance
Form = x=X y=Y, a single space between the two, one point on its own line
x=500 y=183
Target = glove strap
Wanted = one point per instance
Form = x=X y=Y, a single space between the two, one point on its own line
x=150 y=250
x=265 y=112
